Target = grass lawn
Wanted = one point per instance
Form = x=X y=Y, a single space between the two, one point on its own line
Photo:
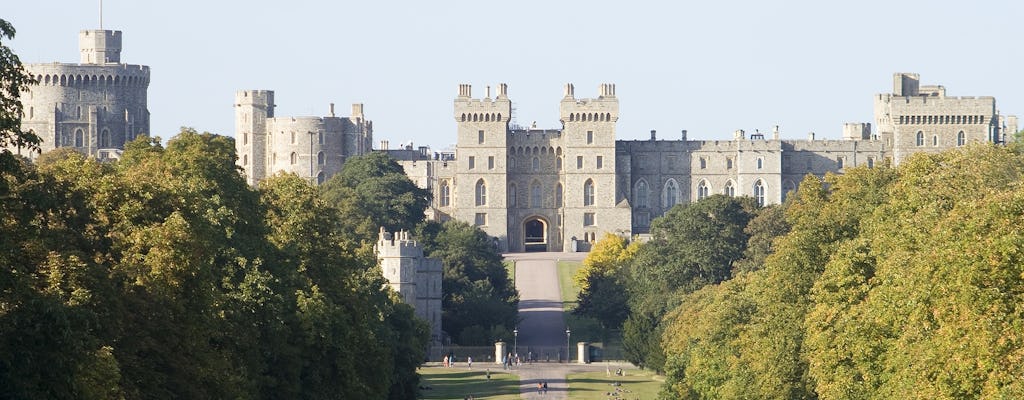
x=457 y=383
x=637 y=384
x=566 y=270
x=510 y=268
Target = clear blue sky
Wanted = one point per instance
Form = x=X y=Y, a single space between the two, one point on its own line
x=706 y=66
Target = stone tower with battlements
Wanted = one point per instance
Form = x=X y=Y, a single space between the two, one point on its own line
x=314 y=148
x=416 y=278
x=95 y=106
x=482 y=129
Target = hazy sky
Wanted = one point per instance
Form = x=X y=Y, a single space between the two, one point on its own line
x=710 y=67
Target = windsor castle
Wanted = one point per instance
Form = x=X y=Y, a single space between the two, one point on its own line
x=553 y=189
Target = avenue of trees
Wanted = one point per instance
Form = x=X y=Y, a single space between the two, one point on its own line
x=880 y=283
x=165 y=275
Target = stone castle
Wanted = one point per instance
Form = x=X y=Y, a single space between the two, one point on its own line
x=95 y=106
x=416 y=278
x=311 y=147
x=560 y=189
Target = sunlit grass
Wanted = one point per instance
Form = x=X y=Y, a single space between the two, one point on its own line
x=457 y=383
x=636 y=384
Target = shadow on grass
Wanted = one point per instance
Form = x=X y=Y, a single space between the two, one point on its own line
x=448 y=383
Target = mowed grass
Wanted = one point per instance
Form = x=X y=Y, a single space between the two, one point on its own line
x=566 y=270
x=510 y=268
x=636 y=384
x=457 y=383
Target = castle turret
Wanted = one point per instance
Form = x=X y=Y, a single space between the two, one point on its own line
x=416 y=278
x=482 y=153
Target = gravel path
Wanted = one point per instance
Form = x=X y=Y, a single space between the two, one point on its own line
x=542 y=325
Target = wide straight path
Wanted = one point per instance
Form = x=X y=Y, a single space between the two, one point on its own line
x=541 y=322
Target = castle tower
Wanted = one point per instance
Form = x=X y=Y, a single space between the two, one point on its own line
x=252 y=108
x=593 y=201
x=314 y=148
x=482 y=153
x=95 y=106
x=416 y=278
x=921 y=118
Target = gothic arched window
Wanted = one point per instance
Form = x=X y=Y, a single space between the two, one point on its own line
x=481 y=193
x=702 y=190
x=671 y=193
x=759 y=192
x=588 y=193
x=643 y=195
x=446 y=194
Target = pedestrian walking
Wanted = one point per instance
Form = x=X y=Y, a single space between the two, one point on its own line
x=444 y=362
x=469 y=361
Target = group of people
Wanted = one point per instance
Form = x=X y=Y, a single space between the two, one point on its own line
x=542 y=387
x=510 y=360
x=449 y=361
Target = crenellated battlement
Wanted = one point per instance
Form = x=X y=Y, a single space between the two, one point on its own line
x=397 y=244
x=603 y=108
x=469 y=109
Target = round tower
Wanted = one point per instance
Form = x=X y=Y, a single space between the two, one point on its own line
x=95 y=106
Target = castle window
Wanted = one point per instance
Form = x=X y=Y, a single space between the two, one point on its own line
x=512 y=193
x=960 y=139
x=79 y=112
x=320 y=137
x=588 y=219
x=293 y=138
x=245 y=137
x=105 y=139
x=481 y=219
x=920 y=138
x=579 y=162
x=320 y=158
x=558 y=195
x=444 y=200
x=511 y=163
x=839 y=162
x=294 y=158
x=588 y=193
x=490 y=162
x=702 y=190
x=79 y=138
x=600 y=162
x=935 y=140
x=590 y=137
x=320 y=178
x=535 y=163
x=643 y=194
x=730 y=189
x=703 y=163
x=535 y=195
x=245 y=159
x=759 y=192
x=760 y=163
x=871 y=162
x=481 y=193
x=472 y=162
x=558 y=163
x=480 y=137
x=671 y=193
x=728 y=163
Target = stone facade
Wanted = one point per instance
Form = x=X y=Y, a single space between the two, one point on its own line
x=311 y=147
x=560 y=189
x=416 y=278
x=95 y=106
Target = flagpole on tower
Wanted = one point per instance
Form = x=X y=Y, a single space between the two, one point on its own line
x=101 y=15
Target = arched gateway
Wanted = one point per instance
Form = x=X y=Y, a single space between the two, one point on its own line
x=535 y=234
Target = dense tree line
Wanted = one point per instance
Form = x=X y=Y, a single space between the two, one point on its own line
x=879 y=283
x=164 y=275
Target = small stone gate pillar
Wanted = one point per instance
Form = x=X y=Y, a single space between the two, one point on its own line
x=583 y=352
x=500 y=349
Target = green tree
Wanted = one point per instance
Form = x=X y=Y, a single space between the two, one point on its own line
x=480 y=301
x=925 y=301
x=13 y=80
x=373 y=191
x=691 y=246
x=602 y=281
